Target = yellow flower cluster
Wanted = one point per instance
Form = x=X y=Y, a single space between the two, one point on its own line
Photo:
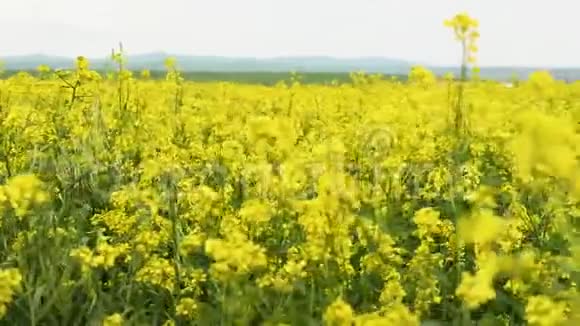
x=22 y=193
x=10 y=284
x=157 y=272
x=113 y=320
x=543 y=311
x=105 y=255
x=234 y=257
x=339 y=313
x=465 y=28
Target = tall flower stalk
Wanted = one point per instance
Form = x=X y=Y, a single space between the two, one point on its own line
x=466 y=33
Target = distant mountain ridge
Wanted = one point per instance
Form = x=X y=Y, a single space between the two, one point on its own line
x=305 y=64
x=155 y=61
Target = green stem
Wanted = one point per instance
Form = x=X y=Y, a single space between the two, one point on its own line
x=175 y=235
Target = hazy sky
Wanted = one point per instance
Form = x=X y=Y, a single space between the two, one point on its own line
x=514 y=32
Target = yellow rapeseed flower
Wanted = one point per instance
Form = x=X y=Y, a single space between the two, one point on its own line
x=10 y=284
x=113 y=320
x=339 y=313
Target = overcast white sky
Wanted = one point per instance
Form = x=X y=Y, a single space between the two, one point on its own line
x=514 y=32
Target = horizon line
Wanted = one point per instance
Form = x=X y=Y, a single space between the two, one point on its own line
x=305 y=56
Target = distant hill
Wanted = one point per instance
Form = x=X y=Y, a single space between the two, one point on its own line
x=29 y=62
x=155 y=61
x=508 y=73
x=310 y=64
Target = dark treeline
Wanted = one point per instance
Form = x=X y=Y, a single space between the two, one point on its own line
x=264 y=78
